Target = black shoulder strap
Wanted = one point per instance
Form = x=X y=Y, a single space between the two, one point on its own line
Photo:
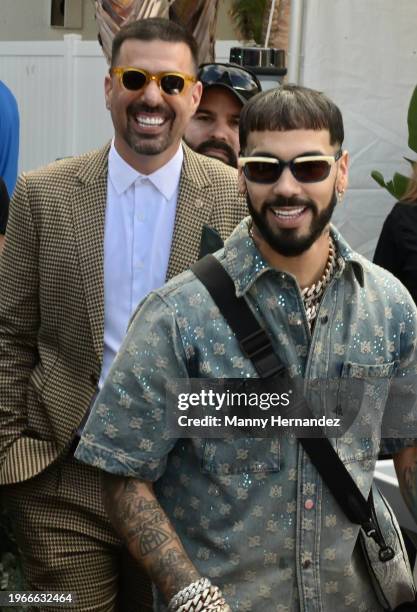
x=253 y=339
x=257 y=346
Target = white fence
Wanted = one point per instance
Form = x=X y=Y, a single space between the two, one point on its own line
x=59 y=89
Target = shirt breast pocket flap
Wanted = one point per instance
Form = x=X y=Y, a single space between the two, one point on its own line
x=240 y=455
x=362 y=395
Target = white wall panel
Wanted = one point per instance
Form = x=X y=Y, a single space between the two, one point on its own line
x=364 y=56
x=59 y=87
x=34 y=73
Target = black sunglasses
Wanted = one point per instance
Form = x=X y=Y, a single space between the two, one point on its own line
x=242 y=81
x=134 y=79
x=305 y=169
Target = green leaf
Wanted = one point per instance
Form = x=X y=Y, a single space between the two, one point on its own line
x=412 y=121
x=396 y=187
x=377 y=176
x=400 y=184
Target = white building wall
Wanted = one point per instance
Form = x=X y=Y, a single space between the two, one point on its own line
x=363 y=54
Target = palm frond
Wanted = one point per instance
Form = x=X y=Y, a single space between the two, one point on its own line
x=248 y=17
x=197 y=16
x=111 y=15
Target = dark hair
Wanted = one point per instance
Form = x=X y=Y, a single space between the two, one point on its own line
x=155 y=28
x=290 y=107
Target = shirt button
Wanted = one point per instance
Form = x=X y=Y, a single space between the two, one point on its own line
x=306 y=564
x=309 y=504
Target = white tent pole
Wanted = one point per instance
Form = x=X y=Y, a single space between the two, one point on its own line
x=268 y=31
x=295 y=39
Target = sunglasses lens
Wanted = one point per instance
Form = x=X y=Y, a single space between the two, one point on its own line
x=262 y=172
x=311 y=171
x=133 y=80
x=236 y=78
x=172 y=84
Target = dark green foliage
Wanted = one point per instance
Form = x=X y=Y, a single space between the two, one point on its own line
x=397 y=186
x=248 y=16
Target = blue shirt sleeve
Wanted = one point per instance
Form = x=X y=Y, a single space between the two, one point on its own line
x=126 y=431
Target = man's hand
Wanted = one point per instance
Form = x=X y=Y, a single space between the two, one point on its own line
x=405 y=463
x=143 y=525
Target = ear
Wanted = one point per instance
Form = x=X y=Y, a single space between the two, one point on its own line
x=108 y=87
x=241 y=182
x=196 y=96
x=343 y=172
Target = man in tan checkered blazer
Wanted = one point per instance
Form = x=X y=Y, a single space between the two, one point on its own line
x=53 y=321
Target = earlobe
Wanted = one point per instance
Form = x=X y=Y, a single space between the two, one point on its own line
x=343 y=173
x=197 y=93
x=339 y=194
x=107 y=90
x=241 y=183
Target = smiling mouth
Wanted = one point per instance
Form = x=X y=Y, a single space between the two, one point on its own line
x=288 y=213
x=149 y=121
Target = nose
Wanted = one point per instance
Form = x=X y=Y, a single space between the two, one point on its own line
x=151 y=94
x=221 y=131
x=287 y=185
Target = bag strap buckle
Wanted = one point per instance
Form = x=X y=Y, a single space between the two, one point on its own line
x=257 y=347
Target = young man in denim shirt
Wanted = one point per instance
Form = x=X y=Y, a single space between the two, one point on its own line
x=252 y=514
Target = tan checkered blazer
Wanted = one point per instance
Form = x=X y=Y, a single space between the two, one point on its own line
x=51 y=295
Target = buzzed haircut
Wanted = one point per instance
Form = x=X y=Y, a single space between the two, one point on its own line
x=151 y=29
x=291 y=107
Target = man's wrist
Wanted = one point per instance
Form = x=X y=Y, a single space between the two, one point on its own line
x=198 y=596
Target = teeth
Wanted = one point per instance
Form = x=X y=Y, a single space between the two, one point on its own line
x=288 y=213
x=149 y=120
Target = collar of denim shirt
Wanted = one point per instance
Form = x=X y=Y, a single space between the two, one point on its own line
x=245 y=264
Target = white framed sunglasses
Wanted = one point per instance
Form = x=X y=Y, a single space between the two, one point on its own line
x=305 y=169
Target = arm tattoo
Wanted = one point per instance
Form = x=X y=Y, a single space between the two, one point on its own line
x=141 y=522
x=174 y=570
x=409 y=489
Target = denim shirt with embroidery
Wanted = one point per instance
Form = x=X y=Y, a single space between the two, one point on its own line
x=253 y=514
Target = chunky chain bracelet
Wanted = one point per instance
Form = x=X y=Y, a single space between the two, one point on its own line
x=199 y=596
x=187 y=593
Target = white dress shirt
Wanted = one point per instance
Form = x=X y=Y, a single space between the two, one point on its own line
x=139 y=224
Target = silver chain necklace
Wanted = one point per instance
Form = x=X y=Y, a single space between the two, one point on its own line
x=312 y=295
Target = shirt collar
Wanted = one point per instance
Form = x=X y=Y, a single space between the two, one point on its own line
x=165 y=179
x=245 y=263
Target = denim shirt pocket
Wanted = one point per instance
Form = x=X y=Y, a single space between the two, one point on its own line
x=362 y=394
x=240 y=455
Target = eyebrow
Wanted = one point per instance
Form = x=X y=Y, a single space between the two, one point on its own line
x=303 y=154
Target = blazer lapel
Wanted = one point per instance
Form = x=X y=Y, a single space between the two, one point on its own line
x=88 y=208
x=193 y=212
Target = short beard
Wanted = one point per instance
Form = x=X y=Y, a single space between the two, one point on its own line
x=285 y=241
x=213 y=143
x=148 y=144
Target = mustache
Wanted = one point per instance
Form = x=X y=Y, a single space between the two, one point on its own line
x=141 y=107
x=220 y=145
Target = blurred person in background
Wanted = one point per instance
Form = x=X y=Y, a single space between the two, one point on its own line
x=214 y=129
x=9 y=137
x=4 y=211
x=396 y=250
